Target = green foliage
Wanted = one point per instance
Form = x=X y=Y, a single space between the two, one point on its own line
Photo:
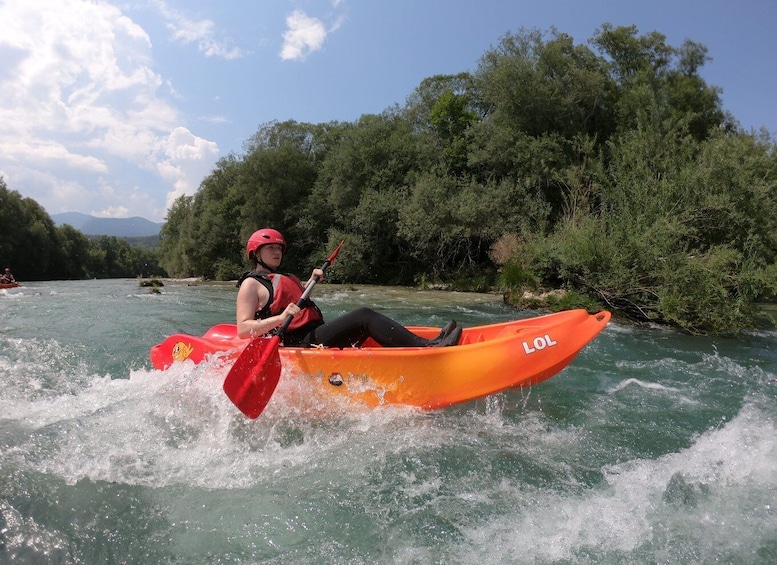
x=648 y=73
x=225 y=270
x=514 y=275
x=680 y=238
x=113 y=257
x=175 y=238
x=450 y=119
x=35 y=249
x=150 y=242
x=76 y=256
x=353 y=264
x=611 y=165
x=30 y=244
x=361 y=184
x=538 y=87
x=701 y=293
x=483 y=282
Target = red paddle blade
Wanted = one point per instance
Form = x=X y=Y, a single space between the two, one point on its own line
x=333 y=256
x=254 y=376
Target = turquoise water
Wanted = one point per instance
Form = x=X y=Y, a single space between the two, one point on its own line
x=651 y=447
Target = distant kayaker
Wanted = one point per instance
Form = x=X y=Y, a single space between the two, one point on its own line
x=7 y=277
x=267 y=297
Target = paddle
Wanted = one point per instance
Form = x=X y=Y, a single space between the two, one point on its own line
x=252 y=379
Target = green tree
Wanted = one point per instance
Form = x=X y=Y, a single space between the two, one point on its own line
x=648 y=72
x=175 y=240
x=537 y=97
x=29 y=244
x=215 y=230
x=277 y=176
x=361 y=182
x=74 y=253
x=441 y=111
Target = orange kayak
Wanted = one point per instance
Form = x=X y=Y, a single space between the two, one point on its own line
x=488 y=360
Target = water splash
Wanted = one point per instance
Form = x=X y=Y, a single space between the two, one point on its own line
x=642 y=384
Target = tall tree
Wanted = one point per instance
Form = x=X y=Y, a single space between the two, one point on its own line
x=361 y=183
x=29 y=244
x=647 y=71
x=175 y=238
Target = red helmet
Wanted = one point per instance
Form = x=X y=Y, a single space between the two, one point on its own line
x=264 y=236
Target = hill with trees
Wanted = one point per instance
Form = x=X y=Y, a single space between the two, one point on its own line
x=134 y=227
x=36 y=249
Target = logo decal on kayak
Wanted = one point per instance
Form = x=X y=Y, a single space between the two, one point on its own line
x=181 y=351
x=540 y=343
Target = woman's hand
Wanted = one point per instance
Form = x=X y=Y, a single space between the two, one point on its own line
x=290 y=310
x=317 y=275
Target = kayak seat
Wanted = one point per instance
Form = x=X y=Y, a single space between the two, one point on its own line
x=472 y=338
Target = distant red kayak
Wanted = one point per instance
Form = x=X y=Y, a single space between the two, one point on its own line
x=9 y=285
x=488 y=360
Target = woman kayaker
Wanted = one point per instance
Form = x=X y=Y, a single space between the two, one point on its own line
x=267 y=297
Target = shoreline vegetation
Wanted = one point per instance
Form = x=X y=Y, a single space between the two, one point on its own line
x=544 y=301
x=606 y=169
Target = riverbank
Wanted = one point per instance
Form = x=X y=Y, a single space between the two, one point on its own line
x=546 y=300
x=770 y=315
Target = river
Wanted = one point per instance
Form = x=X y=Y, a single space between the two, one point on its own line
x=651 y=447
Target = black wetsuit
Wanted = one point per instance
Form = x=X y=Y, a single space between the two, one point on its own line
x=353 y=329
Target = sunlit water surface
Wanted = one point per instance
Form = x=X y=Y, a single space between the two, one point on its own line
x=651 y=447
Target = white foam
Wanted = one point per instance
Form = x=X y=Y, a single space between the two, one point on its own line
x=642 y=384
x=177 y=426
x=732 y=468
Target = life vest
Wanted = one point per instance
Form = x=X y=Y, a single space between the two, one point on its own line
x=284 y=290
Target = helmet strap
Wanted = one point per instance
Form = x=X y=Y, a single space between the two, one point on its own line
x=265 y=265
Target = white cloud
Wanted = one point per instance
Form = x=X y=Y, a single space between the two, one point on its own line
x=75 y=61
x=111 y=212
x=190 y=159
x=215 y=119
x=303 y=36
x=81 y=103
x=200 y=32
x=51 y=152
x=57 y=193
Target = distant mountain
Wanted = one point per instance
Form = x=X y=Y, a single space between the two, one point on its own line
x=117 y=227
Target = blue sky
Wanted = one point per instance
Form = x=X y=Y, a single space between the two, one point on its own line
x=115 y=108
